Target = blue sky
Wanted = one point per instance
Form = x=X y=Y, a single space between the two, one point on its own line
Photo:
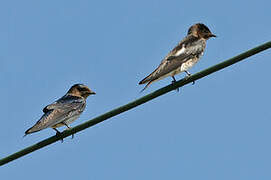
x=218 y=128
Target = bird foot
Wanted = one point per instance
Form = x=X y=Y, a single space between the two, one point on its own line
x=188 y=75
x=174 y=81
x=59 y=134
x=68 y=127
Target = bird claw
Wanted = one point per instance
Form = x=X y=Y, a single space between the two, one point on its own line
x=174 y=81
x=68 y=127
x=188 y=75
x=59 y=134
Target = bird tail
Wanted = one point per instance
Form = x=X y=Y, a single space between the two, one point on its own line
x=149 y=83
x=145 y=80
x=33 y=129
x=28 y=131
x=149 y=79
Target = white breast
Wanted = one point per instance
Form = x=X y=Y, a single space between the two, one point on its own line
x=188 y=64
x=181 y=51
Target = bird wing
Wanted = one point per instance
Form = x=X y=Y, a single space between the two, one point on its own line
x=63 y=102
x=188 y=48
x=65 y=108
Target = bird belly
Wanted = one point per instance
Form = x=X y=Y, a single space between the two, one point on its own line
x=68 y=121
x=177 y=71
x=172 y=73
x=188 y=64
x=184 y=67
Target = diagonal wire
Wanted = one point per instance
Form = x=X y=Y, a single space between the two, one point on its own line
x=135 y=103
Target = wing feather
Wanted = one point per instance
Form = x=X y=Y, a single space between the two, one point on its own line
x=189 y=48
x=65 y=108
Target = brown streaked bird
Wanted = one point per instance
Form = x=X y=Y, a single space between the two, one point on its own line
x=186 y=54
x=63 y=111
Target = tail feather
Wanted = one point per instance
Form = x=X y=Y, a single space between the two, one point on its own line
x=149 y=83
x=149 y=79
x=28 y=131
x=145 y=80
x=32 y=130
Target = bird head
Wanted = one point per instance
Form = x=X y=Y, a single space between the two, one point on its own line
x=80 y=90
x=200 y=30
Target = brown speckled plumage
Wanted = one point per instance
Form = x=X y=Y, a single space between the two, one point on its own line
x=183 y=56
x=65 y=110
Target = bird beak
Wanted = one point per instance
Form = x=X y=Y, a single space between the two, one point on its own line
x=91 y=92
x=212 y=35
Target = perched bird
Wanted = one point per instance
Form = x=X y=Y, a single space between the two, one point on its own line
x=183 y=56
x=63 y=111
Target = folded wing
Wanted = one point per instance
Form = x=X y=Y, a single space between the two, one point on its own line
x=63 y=109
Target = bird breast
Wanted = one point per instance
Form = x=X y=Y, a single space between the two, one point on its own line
x=188 y=64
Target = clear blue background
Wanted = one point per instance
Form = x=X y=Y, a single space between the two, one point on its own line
x=218 y=128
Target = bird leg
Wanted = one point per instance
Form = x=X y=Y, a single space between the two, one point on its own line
x=174 y=81
x=188 y=74
x=58 y=133
x=68 y=127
